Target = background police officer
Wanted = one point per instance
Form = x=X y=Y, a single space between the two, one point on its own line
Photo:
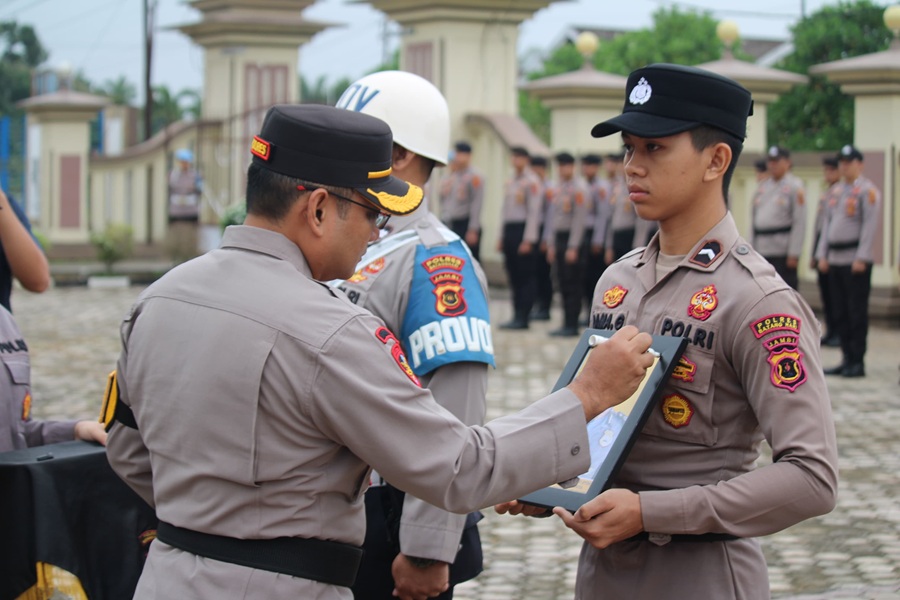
x=779 y=216
x=520 y=236
x=846 y=252
x=832 y=177
x=595 y=234
x=462 y=196
x=564 y=235
x=543 y=300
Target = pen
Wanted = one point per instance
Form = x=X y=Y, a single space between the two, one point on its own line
x=596 y=340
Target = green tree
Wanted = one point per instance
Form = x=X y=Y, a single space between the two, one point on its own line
x=683 y=37
x=818 y=116
x=120 y=91
x=169 y=108
x=20 y=52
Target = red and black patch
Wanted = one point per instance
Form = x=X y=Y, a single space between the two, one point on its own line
x=444 y=261
x=385 y=336
x=449 y=292
x=788 y=371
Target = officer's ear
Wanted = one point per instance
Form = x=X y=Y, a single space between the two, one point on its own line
x=718 y=157
x=315 y=210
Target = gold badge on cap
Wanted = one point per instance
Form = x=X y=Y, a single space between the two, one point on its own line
x=641 y=92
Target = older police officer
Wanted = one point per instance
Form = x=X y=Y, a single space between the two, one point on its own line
x=261 y=396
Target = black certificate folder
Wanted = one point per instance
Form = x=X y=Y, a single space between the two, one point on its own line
x=611 y=433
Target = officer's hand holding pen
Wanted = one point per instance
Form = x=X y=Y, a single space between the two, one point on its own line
x=613 y=371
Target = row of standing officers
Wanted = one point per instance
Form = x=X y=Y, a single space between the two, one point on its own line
x=572 y=227
x=569 y=229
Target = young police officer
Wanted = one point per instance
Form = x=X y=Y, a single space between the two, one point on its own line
x=427 y=287
x=253 y=398
x=688 y=501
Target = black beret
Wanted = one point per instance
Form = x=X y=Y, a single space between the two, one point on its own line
x=664 y=99
x=778 y=152
x=849 y=152
x=341 y=148
x=830 y=161
x=591 y=159
x=538 y=161
x=519 y=151
x=564 y=158
x=463 y=147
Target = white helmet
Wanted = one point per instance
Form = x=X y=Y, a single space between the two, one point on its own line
x=415 y=110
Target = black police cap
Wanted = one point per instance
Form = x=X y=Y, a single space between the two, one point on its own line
x=849 y=152
x=341 y=148
x=830 y=161
x=776 y=152
x=538 y=161
x=463 y=147
x=761 y=166
x=519 y=151
x=616 y=157
x=591 y=159
x=664 y=99
x=564 y=158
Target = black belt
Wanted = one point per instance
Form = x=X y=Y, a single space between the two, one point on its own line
x=644 y=536
x=772 y=231
x=843 y=245
x=333 y=563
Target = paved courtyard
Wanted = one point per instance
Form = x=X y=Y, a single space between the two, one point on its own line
x=852 y=553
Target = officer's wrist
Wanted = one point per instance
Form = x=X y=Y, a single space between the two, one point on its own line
x=421 y=563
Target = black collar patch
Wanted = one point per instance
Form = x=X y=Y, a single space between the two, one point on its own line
x=708 y=254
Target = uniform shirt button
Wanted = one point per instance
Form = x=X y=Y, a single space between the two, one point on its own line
x=576 y=449
x=743 y=250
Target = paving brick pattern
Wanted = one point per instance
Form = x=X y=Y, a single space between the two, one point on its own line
x=852 y=553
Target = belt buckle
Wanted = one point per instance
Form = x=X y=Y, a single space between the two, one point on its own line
x=660 y=539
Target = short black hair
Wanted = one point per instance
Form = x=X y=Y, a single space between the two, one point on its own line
x=830 y=161
x=761 y=166
x=519 y=151
x=705 y=136
x=538 y=161
x=271 y=195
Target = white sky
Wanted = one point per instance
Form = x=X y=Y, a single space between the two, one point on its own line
x=103 y=38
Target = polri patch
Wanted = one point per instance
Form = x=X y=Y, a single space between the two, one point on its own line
x=449 y=292
x=685 y=370
x=703 y=303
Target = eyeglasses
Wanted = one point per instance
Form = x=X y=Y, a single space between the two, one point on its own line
x=381 y=218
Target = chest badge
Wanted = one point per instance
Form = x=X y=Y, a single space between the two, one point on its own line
x=677 y=411
x=703 y=303
x=614 y=296
x=449 y=293
x=375 y=267
x=684 y=370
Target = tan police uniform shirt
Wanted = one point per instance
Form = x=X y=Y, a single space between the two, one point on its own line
x=570 y=205
x=621 y=210
x=751 y=371
x=601 y=191
x=779 y=217
x=522 y=203
x=17 y=429
x=462 y=196
x=383 y=286
x=851 y=222
x=832 y=193
x=263 y=397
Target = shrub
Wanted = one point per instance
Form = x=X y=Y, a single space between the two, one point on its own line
x=113 y=244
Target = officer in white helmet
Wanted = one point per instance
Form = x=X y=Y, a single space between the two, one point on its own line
x=422 y=280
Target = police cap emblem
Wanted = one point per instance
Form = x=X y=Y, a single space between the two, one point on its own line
x=641 y=92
